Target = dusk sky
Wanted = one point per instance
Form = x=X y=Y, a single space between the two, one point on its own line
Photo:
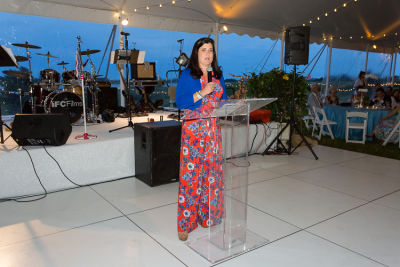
x=237 y=54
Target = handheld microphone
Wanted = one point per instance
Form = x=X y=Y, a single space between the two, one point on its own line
x=209 y=73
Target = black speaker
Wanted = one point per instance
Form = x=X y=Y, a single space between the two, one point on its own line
x=157 y=150
x=108 y=98
x=297 y=41
x=41 y=129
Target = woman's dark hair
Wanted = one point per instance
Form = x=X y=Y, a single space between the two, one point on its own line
x=361 y=74
x=194 y=67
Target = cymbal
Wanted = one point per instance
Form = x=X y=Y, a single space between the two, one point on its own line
x=62 y=63
x=27 y=45
x=16 y=74
x=47 y=55
x=89 y=52
x=21 y=58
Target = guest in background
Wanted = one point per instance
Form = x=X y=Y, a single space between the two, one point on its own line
x=395 y=99
x=381 y=100
x=360 y=82
x=385 y=127
x=332 y=98
x=389 y=91
x=314 y=99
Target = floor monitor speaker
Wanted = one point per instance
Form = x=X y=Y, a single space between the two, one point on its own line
x=41 y=129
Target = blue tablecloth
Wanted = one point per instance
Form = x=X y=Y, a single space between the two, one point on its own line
x=338 y=114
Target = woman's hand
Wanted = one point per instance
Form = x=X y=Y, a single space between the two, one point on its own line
x=210 y=87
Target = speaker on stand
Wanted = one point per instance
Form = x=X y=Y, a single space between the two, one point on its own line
x=297 y=40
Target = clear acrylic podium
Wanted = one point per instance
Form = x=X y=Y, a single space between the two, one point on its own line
x=230 y=236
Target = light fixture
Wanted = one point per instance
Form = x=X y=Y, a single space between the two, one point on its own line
x=326 y=14
x=160 y=5
x=395 y=33
x=335 y=10
x=318 y=18
x=362 y=37
x=123 y=11
x=340 y=37
x=225 y=28
x=310 y=21
x=135 y=10
x=182 y=60
x=351 y=37
x=384 y=35
x=147 y=7
x=304 y=25
x=344 y=4
x=124 y=22
x=116 y=15
x=173 y=2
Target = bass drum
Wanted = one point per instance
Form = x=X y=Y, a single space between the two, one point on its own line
x=65 y=102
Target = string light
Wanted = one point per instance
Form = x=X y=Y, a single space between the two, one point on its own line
x=148 y=7
x=344 y=4
x=374 y=46
x=318 y=18
x=326 y=14
x=125 y=22
x=310 y=21
x=335 y=10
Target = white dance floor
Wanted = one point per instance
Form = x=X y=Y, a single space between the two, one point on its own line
x=342 y=210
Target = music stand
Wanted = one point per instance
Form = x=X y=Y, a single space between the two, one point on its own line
x=7 y=59
x=126 y=57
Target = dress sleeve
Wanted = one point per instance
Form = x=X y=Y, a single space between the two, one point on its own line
x=222 y=81
x=184 y=95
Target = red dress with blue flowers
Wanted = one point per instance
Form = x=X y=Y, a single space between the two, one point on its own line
x=200 y=197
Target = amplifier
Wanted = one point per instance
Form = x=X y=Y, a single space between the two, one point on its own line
x=157 y=150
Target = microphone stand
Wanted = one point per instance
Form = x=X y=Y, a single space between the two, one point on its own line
x=127 y=89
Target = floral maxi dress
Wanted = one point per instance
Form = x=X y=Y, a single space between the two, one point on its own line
x=200 y=196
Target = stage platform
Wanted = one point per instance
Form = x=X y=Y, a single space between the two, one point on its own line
x=108 y=157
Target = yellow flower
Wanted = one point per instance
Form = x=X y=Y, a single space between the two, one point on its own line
x=285 y=77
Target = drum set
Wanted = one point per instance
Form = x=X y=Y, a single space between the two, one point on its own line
x=55 y=93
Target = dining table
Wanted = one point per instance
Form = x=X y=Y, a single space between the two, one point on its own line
x=338 y=114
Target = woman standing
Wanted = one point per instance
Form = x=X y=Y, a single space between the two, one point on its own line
x=200 y=174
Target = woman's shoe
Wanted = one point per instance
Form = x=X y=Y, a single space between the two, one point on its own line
x=183 y=236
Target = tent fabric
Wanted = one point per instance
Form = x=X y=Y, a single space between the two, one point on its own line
x=377 y=21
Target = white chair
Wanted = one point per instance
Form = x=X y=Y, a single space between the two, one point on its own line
x=321 y=121
x=396 y=128
x=356 y=125
x=309 y=118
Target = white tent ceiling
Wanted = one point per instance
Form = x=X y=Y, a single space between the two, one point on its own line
x=360 y=23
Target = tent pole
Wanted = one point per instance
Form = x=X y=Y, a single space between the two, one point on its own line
x=121 y=77
x=366 y=58
x=390 y=69
x=282 y=48
x=394 y=67
x=328 y=72
x=216 y=38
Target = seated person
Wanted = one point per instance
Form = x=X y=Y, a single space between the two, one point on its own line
x=381 y=100
x=389 y=91
x=395 y=99
x=332 y=99
x=314 y=99
x=360 y=98
x=385 y=127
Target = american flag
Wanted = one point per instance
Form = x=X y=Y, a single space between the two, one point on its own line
x=78 y=63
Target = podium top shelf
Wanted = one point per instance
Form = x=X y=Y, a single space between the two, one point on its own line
x=229 y=107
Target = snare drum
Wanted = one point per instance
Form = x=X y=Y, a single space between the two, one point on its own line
x=65 y=102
